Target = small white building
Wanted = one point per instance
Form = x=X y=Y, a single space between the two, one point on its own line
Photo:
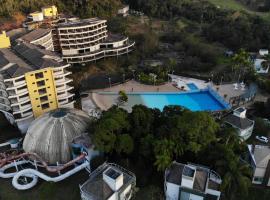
x=191 y=182
x=260 y=162
x=258 y=64
x=109 y=182
x=124 y=11
x=36 y=16
x=263 y=52
x=238 y=120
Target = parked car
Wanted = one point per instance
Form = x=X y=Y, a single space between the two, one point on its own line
x=262 y=139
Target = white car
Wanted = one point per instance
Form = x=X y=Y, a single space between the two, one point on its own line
x=262 y=139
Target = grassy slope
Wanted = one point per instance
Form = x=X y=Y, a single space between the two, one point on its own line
x=65 y=190
x=234 y=5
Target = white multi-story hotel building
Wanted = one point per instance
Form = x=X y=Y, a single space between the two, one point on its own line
x=88 y=40
x=32 y=81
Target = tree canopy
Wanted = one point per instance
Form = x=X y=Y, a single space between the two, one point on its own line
x=163 y=135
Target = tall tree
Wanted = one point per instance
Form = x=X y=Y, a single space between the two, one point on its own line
x=242 y=65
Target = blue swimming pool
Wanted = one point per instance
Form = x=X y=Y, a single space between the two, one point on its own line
x=204 y=100
x=196 y=100
x=192 y=86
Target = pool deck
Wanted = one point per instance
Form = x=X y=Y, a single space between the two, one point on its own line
x=134 y=86
x=105 y=102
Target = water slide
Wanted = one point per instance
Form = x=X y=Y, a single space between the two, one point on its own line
x=27 y=178
x=32 y=173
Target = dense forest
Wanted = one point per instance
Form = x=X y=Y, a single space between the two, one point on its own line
x=260 y=5
x=82 y=8
x=234 y=29
x=151 y=139
x=231 y=28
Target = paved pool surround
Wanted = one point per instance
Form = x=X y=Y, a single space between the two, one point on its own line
x=196 y=100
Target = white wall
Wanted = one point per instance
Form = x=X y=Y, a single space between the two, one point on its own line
x=95 y=48
x=127 y=190
x=114 y=196
x=213 y=192
x=195 y=197
x=172 y=192
x=38 y=17
x=118 y=44
x=245 y=134
x=115 y=185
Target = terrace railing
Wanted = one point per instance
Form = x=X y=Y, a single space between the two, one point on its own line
x=218 y=97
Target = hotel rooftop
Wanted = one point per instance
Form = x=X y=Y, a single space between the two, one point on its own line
x=108 y=181
x=183 y=182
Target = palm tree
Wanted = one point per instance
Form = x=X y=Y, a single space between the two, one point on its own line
x=225 y=154
x=237 y=178
x=241 y=63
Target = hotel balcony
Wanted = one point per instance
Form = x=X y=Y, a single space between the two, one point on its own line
x=85 y=45
x=59 y=81
x=65 y=95
x=78 y=30
x=15 y=93
x=23 y=116
x=65 y=101
x=67 y=105
x=61 y=73
x=19 y=84
x=92 y=56
x=21 y=109
x=70 y=40
x=64 y=87
x=19 y=100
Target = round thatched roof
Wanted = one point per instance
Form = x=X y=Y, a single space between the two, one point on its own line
x=51 y=134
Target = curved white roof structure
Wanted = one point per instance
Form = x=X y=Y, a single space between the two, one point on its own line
x=51 y=134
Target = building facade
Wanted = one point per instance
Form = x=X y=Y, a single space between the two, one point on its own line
x=4 y=40
x=191 y=182
x=240 y=122
x=260 y=162
x=39 y=36
x=34 y=81
x=109 y=182
x=50 y=11
x=87 y=40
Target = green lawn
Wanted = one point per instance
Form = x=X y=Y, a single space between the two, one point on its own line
x=235 y=5
x=65 y=190
x=229 y=4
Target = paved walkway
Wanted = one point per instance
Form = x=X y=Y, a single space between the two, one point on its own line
x=229 y=91
x=134 y=86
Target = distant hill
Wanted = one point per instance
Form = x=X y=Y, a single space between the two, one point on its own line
x=82 y=8
x=258 y=5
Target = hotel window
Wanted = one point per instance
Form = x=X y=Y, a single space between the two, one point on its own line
x=42 y=91
x=258 y=179
x=40 y=83
x=24 y=104
x=43 y=99
x=39 y=75
x=45 y=106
